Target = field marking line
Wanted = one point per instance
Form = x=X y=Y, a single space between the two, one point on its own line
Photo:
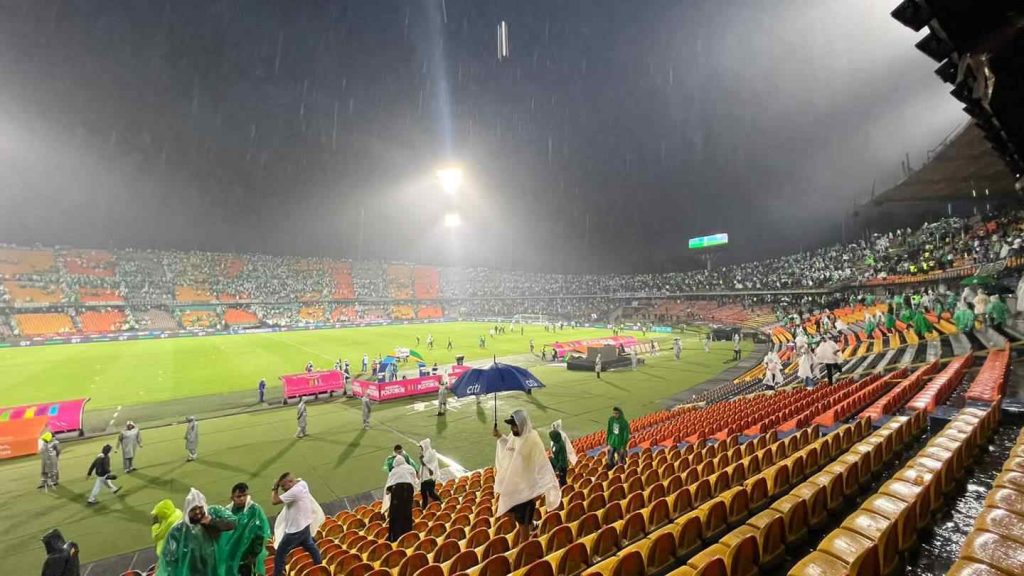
x=299 y=346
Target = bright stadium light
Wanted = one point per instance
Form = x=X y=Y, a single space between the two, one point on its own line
x=452 y=220
x=450 y=179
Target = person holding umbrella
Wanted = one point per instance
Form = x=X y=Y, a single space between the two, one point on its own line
x=522 y=473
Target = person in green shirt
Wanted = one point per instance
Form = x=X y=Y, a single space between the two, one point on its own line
x=559 y=456
x=964 y=318
x=997 y=311
x=191 y=546
x=389 y=462
x=244 y=548
x=907 y=316
x=921 y=324
x=890 y=320
x=617 y=438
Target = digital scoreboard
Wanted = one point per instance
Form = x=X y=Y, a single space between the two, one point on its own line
x=708 y=241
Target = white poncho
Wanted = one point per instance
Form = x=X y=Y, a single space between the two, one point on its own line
x=522 y=469
x=318 y=519
x=569 y=450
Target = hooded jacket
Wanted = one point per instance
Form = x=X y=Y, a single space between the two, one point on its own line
x=167 y=516
x=61 y=556
x=522 y=469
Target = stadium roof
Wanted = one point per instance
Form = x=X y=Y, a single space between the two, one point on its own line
x=964 y=162
x=980 y=49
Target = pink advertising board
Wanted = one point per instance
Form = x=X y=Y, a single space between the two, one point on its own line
x=397 y=388
x=64 y=416
x=562 y=347
x=313 y=383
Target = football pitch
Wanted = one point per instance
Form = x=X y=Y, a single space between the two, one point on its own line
x=338 y=459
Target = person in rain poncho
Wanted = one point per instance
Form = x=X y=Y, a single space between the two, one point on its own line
x=300 y=417
x=964 y=317
x=869 y=328
x=429 y=470
x=61 y=556
x=632 y=358
x=827 y=354
x=244 y=548
x=890 y=319
x=707 y=343
x=677 y=348
x=921 y=324
x=981 y=304
x=397 y=504
x=398 y=453
x=597 y=366
x=805 y=364
x=165 y=516
x=191 y=545
x=522 y=473
x=772 y=370
x=298 y=521
x=442 y=397
x=569 y=450
x=366 y=410
x=130 y=440
x=997 y=312
x=49 y=454
x=879 y=318
x=559 y=458
x=191 y=438
x=617 y=438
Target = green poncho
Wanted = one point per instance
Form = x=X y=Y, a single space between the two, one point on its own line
x=166 y=516
x=247 y=542
x=869 y=328
x=997 y=312
x=890 y=321
x=921 y=324
x=907 y=316
x=559 y=456
x=191 y=549
x=618 y=432
x=964 y=320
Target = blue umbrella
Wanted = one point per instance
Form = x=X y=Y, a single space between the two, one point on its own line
x=389 y=360
x=493 y=379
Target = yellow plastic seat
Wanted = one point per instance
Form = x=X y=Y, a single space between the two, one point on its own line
x=1003 y=554
x=770 y=531
x=816 y=498
x=898 y=512
x=689 y=533
x=1006 y=499
x=714 y=519
x=968 y=568
x=737 y=506
x=628 y=564
x=740 y=559
x=859 y=554
x=924 y=478
x=571 y=560
x=1011 y=480
x=1006 y=524
x=602 y=545
x=880 y=530
x=833 y=483
x=916 y=496
x=794 y=513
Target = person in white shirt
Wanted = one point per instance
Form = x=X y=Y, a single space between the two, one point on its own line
x=297 y=522
x=522 y=473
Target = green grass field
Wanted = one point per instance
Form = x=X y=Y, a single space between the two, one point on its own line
x=338 y=458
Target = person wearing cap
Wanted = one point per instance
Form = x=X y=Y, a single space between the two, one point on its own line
x=130 y=440
x=49 y=453
x=522 y=473
x=559 y=457
x=191 y=545
x=617 y=437
x=191 y=439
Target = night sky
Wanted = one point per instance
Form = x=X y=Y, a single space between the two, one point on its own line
x=612 y=133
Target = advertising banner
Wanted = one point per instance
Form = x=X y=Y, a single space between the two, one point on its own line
x=397 y=388
x=561 y=348
x=63 y=416
x=313 y=383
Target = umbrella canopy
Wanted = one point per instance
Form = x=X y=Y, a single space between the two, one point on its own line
x=389 y=360
x=493 y=379
x=977 y=281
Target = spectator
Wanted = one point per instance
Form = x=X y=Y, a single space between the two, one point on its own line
x=398 y=497
x=522 y=473
x=61 y=556
x=297 y=522
x=617 y=438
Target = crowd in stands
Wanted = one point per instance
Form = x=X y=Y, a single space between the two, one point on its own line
x=281 y=290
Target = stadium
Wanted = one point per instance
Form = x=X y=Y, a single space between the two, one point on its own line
x=256 y=249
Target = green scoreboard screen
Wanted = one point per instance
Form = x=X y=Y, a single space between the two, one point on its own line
x=708 y=241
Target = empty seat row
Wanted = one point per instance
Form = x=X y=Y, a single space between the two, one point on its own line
x=942 y=385
x=886 y=524
x=990 y=382
x=901 y=393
